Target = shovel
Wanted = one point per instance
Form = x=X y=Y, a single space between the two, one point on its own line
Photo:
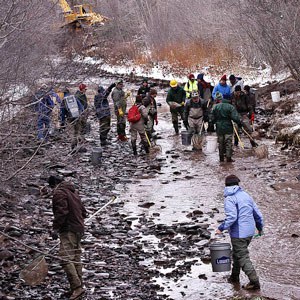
x=261 y=151
x=253 y=143
x=236 y=133
x=36 y=271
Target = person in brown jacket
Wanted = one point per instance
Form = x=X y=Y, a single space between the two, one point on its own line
x=68 y=223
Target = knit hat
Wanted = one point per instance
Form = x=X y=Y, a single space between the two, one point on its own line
x=232 y=180
x=53 y=181
x=218 y=97
x=200 y=76
x=237 y=88
x=231 y=77
x=191 y=76
x=224 y=77
x=100 y=89
x=145 y=80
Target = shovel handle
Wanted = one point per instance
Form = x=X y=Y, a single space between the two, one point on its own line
x=236 y=133
x=248 y=135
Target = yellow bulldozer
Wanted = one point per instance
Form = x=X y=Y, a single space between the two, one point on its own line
x=80 y=15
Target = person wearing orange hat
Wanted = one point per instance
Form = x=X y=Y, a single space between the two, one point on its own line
x=176 y=100
x=223 y=88
x=191 y=86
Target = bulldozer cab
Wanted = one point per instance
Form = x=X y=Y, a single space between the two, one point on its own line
x=82 y=10
x=80 y=15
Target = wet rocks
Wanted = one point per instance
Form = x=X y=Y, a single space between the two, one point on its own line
x=146 y=204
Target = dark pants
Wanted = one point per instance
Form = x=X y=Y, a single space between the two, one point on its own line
x=43 y=126
x=241 y=258
x=63 y=116
x=225 y=145
x=175 y=112
x=104 y=128
x=70 y=250
x=121 y=125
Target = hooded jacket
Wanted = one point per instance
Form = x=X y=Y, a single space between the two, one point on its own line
x=68 y=210
x=223 y=114
x=101 y=102
x=242 y=213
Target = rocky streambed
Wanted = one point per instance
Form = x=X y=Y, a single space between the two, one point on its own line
x=152 y=241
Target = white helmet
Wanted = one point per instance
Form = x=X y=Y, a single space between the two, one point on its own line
x=194 y=94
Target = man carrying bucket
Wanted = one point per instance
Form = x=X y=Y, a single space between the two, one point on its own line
x=68 y=223
x=242 y=217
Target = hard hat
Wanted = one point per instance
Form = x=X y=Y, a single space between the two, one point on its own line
x=173 y=83
x=82 y=87
x=194 y=94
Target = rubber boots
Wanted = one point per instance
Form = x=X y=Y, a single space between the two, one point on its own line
x=134 y=148
x=175 y=125
x=146 y=147
x=122 y=138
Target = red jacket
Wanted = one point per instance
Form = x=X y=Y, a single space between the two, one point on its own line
x=69 y=212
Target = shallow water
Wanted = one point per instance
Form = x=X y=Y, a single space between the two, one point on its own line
x=191 y=181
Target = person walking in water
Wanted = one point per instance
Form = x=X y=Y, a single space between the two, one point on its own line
x=242 y=217
x=176 y=100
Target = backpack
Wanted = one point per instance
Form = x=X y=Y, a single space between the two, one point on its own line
x=134 y=114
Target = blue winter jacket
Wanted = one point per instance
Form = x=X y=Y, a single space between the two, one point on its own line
x=242 y=213
x=223 y=89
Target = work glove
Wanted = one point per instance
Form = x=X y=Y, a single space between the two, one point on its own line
x=54 y=235
x=120 y=112
x=182 y=103
x=127 y=94
x=252 y=117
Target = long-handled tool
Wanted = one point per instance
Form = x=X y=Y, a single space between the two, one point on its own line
x=253 y=142
x=261 y=151
x=237 y=135
x=36 y=271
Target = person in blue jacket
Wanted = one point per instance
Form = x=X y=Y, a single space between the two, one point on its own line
x=223 y=88
x=44 y=108
x=103 y=112
x=242 y=217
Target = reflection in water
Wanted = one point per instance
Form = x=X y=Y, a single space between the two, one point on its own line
x=191 y=181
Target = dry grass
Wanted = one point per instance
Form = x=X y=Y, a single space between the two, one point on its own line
x=190 y=56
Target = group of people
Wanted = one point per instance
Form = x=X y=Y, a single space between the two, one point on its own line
x=242 y=219
x=201 y=107
x=222 y=107
x=196 y=103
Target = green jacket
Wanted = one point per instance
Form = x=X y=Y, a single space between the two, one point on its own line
x=222 y=115
x=176 y=95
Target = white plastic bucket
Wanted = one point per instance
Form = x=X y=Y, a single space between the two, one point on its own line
x=275 y=96
x=211 y=144
x=220 y=257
